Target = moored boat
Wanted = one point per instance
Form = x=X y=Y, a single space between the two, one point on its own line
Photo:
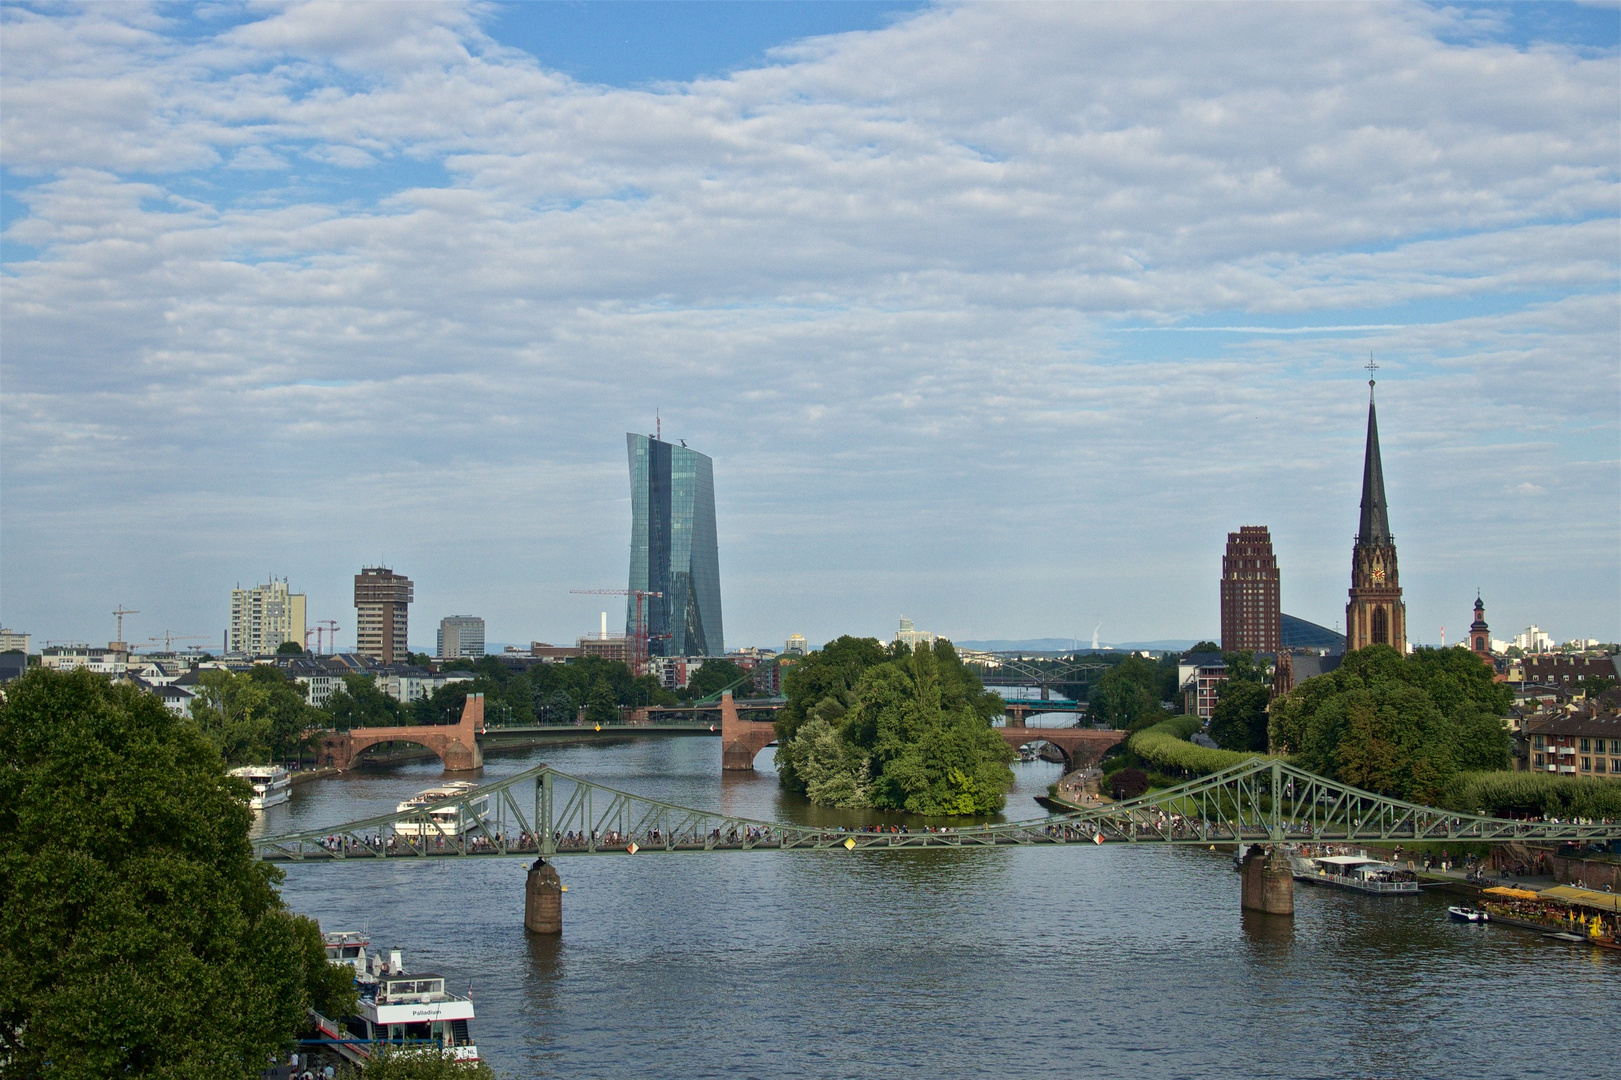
x=1468 y=914
x=406 y=1011
x=272 y=784
x=1358 y=873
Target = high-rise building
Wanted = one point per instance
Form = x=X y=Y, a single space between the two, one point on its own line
x=912 y=637
x=460 y=635
x=264 y=617
x=382 y=603
x=673 y=549
x=14 y=641
x=1251 y=617
x=796 y=646
x=1376 y=614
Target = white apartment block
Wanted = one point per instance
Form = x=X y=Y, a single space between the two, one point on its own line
x=264 y=617
x=409 y=686
x=14 y=640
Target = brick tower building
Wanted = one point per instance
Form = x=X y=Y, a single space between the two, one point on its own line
x=1250 y=612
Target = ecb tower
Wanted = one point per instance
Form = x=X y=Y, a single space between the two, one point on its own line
x=1376 y=614
x=673 y=550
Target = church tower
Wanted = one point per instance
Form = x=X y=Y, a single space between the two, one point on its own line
x=1376 y=614
x=1480 y=635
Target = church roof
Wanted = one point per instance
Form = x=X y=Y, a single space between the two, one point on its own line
x=1375 y=526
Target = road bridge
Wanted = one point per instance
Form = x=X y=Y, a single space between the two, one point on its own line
x=544 y=814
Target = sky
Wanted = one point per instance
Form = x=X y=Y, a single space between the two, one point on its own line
x=995 y=316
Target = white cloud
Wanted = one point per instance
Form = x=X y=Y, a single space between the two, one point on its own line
x=876 y=279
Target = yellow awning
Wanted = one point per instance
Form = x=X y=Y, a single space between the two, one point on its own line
x=1592 y=898
x=1512 y=894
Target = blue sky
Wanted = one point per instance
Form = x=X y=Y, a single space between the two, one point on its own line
x=995 y=316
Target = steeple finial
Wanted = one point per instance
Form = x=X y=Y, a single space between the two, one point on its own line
x=1375 y=525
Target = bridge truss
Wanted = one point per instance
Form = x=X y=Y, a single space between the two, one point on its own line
x=545 y=812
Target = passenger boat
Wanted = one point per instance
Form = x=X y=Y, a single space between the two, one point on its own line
x=1468 y=914
x=443 y=821
x=1357 y=873
x=407 y=1011
x=272 y=784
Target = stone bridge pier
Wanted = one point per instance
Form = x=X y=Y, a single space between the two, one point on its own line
x=740 y=739
x=1268 y=881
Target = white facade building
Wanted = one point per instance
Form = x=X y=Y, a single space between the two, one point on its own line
x=460 y=636
x=264 y=617
x=1533 y=640
x=797 y=646
x=411 y=684
x=14 y=641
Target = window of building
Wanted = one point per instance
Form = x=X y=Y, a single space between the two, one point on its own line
x=1585 y=746
x=1615 y=765
x=1587 y=764
x=1538 y=742
x=1598 y=765
x=1540 y=762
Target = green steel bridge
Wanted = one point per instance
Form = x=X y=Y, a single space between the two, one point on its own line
x=548 y=813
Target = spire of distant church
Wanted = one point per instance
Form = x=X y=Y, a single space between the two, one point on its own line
x=1375 y=526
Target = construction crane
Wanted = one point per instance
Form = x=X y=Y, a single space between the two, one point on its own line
x=331 y=628
x=170 y=638
x=121 y=611
x=639 y=662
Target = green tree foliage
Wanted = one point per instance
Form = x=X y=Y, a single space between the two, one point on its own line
x=1165 y=746
x=715 y=676
x=821 y=685
x=360 y=704
x=913 y=734
x=545 y=693
x=289 y=648
x=141 y=938
x=1239 y=720
x=253 y=717
x=1127 y=697
x=1399 y=725
x=1529 y=794
x=1206 y=647
x=1128 y=783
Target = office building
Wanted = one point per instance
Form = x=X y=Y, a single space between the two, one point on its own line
x=382 y=606
x=796 y=646
x=673 y=550
x=912 y=637
x=1376 y=614
x=1251 y=617
x=264 y=617
x=14 y=641
x=460 y=635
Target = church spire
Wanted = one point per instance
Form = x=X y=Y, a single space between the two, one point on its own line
x=1375 y=525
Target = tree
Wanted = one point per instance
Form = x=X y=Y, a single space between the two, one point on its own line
x=1403 y=726
x=253 y=717
x=141 y=937
x=821 y=685
x=1239 y=720
x=360 y=704
x=1127 y=696
x=913 y=733
x=715 y=676
x=289 y=648
x=1206 y=647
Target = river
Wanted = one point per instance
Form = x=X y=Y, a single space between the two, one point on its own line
x=1036 y=962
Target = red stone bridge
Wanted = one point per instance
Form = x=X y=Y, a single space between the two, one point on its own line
x=456 y=744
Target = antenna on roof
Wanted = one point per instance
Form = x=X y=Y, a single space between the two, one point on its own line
x=658 y=426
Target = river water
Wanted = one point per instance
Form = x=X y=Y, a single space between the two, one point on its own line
x=1037 y=962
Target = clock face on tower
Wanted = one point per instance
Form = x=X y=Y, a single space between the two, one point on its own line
x=1378 y=575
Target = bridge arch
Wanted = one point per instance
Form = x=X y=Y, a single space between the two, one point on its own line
x=455 y=745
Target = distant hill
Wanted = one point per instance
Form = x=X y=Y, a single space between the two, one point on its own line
x=1072 y=644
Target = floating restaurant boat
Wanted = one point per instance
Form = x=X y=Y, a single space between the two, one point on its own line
x=406 y=1011
x=1358 y=873
x=272 y=784
x=1564 y=913
x=443 y=821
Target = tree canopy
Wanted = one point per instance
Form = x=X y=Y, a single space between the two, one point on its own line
x=253 y=717
x=1399 y=725
x=1128 y=695
x=715 y=676
x=910 y=731
x=141 y=938
x=1240 y=720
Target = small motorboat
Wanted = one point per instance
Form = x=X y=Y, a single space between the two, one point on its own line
x=1468 y=914
x=1574 y=939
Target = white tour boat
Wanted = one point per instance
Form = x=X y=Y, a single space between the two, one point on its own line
x=408 y=1011
x=272 y=784
x=444 y=821
x=1357 y=873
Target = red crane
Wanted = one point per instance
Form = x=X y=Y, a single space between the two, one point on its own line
x=639 y=662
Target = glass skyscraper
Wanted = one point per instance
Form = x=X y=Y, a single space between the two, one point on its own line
x=673 y=549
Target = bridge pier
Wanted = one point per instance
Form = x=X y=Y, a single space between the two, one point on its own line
x=543 y=899
x=740 y=739
x=1268 y=882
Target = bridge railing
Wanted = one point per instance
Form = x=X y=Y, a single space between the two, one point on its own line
x=545 y=812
